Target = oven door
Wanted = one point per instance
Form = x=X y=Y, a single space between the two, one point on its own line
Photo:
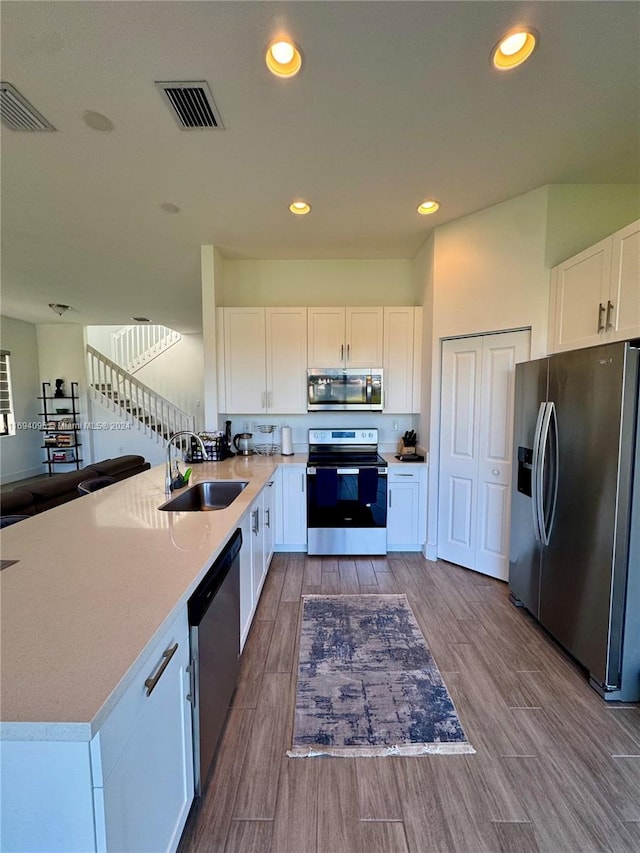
x=347 y=510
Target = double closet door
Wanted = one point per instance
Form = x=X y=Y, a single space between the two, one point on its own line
x=476 y=443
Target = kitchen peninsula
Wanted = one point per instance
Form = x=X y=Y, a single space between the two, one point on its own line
x=96 y=596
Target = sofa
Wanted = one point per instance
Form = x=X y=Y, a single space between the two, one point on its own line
x=44 y=494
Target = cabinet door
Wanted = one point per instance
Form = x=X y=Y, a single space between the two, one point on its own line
x=580 y=289
x=244 y=360
x=294 y=506
x=247 y=603
x=286 y=343
x=148 y=791
x=402 y=517
x=363 y=337
x=398 y=360
x=269 y=522
x=256 y=517
x=407 y=507
x=625 y=284
x=326 y=337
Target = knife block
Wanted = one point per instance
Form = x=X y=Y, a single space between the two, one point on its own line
x=404 y=450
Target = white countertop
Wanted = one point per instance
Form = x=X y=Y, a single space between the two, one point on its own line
x=95 y=582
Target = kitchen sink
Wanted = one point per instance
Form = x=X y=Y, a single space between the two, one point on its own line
x=206 y=496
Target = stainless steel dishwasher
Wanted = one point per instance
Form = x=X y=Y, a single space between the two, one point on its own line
x=214 y=619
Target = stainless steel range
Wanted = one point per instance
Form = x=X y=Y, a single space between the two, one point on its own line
x=346 y=493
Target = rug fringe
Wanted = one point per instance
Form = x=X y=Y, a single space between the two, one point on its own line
x=382 y=751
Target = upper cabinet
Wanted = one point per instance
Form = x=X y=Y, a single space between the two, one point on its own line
x=595 y=296
x=345 y=337
x=265 y=360
x=401 y=362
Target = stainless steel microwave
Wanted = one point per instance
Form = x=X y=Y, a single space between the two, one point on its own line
x=344 y=389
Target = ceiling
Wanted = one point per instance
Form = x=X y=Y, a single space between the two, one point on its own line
x=395 y=102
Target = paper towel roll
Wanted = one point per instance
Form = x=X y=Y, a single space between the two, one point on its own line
x=287 y=445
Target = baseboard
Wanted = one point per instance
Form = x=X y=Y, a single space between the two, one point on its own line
x=297 y=549
x=430 y=552
x=417 y=548
x=26 y=474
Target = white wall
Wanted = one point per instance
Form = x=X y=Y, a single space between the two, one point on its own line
x=20 y=454
x=423 y=278
x=580 y=215
x=488 y=274
x=320 y=282
x=177 y=374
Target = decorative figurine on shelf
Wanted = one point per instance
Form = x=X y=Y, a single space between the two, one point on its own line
x=59 y=389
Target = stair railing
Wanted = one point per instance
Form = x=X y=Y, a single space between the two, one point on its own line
x=134 y=346
x=118 y=390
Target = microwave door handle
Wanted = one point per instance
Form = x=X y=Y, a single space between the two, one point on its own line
x=369 y=390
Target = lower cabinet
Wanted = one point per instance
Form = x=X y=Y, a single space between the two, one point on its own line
x=406 y=507
x=258 y=537
x=142 y=761
x=293 y=510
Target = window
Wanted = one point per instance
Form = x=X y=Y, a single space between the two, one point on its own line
x=7 y=421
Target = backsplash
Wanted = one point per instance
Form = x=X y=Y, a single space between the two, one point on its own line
x=391 y=428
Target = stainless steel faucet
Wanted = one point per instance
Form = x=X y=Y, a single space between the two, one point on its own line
x=167 y=479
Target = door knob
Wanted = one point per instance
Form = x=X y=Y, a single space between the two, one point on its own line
x=495 y=472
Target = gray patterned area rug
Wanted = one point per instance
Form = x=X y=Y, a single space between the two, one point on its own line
x=367 y=682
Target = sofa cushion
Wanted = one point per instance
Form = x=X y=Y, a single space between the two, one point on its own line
x=113 y=467
x=58 y=486
x=17 y=502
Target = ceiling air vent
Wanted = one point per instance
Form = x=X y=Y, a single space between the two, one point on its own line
x=17 y=113
x=192 y=105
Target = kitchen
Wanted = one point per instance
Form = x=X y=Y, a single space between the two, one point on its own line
x=502 y=250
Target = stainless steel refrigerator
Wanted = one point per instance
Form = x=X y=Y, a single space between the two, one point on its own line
x=575 y=511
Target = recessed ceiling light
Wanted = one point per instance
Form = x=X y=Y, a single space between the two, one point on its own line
x=169 y=208
x=428 y=206
x=96 y=121
x=299 y=207
x=514 y=48
x=283 y=58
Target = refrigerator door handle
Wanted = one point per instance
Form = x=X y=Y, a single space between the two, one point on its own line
x=547 y=518
x=535 y=468
x=546 y=514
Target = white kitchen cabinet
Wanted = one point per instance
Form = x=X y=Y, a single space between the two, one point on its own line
x=269 y=521
x=293 y=509
x=406 y=507
x=625 y=283
x=265 y=351
x=263 y=522
x=247 y=603
x=141 y=758
x=595 y=295
x=401 y=362
x=345 y=337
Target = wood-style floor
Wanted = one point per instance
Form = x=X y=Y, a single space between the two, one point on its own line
x=555 y=768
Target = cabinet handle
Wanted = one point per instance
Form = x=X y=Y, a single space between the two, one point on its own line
x=609 y=312
x=348 y=353
x=302 y=476
x=270 y=399
x=151 y=682
x=600 y=315
x=390 y=501
x=403 y=475
x=256 y=523
x=263 y=398
x=341 y=352
x=267 y=520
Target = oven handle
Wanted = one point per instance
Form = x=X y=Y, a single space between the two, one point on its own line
x=382 y=472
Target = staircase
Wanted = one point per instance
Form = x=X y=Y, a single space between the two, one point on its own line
x=135 y=346
x=118 y=390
